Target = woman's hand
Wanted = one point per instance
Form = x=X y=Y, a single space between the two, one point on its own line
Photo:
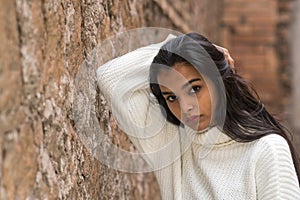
x=228 y=58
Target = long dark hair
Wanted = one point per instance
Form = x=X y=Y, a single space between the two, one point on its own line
x=246 y=118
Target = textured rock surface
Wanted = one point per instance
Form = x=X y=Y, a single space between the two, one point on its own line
x=43 y=44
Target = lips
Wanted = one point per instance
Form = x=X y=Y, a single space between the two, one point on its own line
x=193 y=119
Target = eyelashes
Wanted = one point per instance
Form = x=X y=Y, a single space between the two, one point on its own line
x=171 y=98
x=191 y=91
x=195 y=89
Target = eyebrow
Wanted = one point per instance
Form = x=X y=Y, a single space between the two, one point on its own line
x=167 y=93
x=184 y=86
x=190 y=81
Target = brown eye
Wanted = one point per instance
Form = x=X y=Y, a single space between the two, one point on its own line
x=195 y=89
x=171 y=98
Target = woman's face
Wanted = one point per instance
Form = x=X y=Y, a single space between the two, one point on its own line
x=187 y=95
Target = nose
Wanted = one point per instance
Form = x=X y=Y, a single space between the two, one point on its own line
x=188 y=104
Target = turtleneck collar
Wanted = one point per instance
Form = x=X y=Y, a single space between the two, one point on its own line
x=208 y=137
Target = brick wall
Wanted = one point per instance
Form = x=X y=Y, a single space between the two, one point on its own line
x=284 y=22
x=258 y=35
x=294 y=108
x=250 y=32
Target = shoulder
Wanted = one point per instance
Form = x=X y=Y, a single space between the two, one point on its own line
x=274 y=169
x=273 y=138
x=273 y=151
x=272 y=142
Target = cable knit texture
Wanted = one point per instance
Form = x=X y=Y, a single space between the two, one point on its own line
x=187 y=164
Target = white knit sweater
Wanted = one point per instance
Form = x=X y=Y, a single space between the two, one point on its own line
x=191 y=165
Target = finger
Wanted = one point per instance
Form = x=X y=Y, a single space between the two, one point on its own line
x=226 y=53
x=230 y=60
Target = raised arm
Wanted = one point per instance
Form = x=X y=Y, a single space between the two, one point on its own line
x=124 y=82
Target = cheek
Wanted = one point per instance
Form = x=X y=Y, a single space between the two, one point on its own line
x=211 y=101
x=175 y=109
x=204 y=102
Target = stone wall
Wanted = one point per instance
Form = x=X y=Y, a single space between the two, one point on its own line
x=43 y=45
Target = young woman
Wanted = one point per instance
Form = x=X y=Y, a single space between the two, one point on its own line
x=218 y=141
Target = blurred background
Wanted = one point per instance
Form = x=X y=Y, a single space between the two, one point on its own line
x=44 y=42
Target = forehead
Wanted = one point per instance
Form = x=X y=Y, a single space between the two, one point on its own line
x=177 y=75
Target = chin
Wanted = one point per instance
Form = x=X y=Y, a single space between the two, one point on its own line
x=202 y=127
x=198 y=128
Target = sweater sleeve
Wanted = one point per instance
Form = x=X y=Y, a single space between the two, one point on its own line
x=275 y=175
x=124 y=83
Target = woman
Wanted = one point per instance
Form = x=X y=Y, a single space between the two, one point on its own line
x=219 y=142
